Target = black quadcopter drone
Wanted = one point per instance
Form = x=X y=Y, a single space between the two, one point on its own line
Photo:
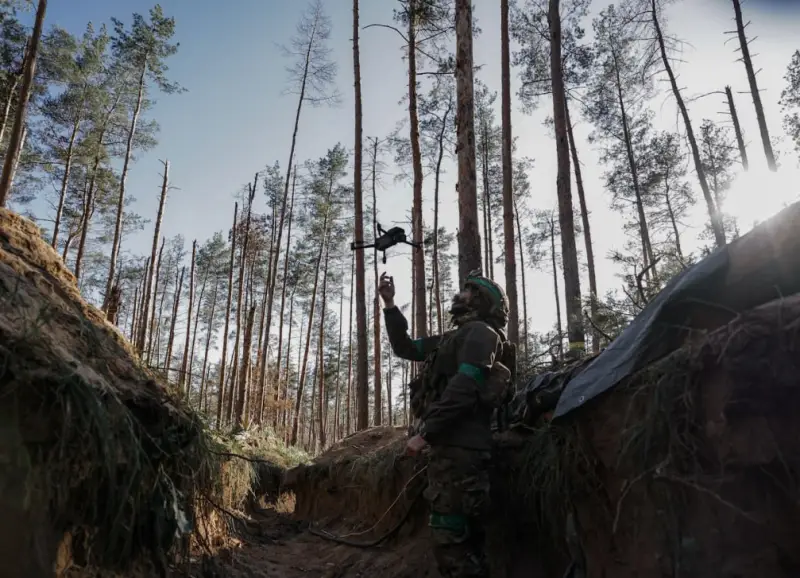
x=386 y=240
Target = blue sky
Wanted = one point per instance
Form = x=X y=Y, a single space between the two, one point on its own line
x=234 y=119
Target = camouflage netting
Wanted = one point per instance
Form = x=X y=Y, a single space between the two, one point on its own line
x=98 y=461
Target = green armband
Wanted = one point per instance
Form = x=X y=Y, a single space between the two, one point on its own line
x=472 y=371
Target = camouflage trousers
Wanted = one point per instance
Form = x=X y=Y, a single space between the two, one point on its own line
x=458 y=497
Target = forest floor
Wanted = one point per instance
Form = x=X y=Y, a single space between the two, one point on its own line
x=275 y=542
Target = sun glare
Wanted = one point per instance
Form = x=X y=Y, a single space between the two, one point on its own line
x=758 y=194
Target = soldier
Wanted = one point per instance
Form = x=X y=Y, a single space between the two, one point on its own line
x=463 y=379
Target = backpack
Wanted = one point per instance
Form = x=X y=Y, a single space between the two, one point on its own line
x=499 y=390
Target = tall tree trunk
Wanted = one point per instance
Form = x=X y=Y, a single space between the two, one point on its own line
x=135 y=309
x=469 y=237
x=673 y=220
x=485 y=199
x=137 y=318
x=524 y=288
x=203 y=384
x=65 y=178
x=190 y=367
x=350 y=349
x=137 y=109
x=185 y=360
x=713 y=210
x=508 y=185
x=240 y=296
x=362 y=381
x=283 y=303
x=487 y=194
x=285 y=405
x=737 y=128
x=12 y=91
x=555 y=287
x=376 y=304
x=417 y=255
x=88 y=211
x=151 y=323
x=28 y=71
x=18 y=156
x=389 y=387
x=751 y=79
x=322 y=396
x=221 y=392
x=587 y=230
x=301 y=382
x=569 y=253
x=647 y=250
x=338 y=382
x=171 y=338
x=247 y=346
x=436 y=183
x=156 y=233
x=289 y=166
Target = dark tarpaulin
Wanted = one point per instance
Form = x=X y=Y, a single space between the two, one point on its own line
x=654 y=333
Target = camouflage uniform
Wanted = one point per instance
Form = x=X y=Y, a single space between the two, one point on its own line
x=453 y=401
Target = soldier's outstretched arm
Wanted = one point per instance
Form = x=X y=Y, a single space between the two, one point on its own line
x=478 y=345
x=402 y=345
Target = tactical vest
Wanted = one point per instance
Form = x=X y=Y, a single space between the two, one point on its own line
x=440 y=365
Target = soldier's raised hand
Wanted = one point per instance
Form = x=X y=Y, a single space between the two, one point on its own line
x=386 y=290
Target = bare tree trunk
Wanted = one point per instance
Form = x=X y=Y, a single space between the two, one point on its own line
x=140 y=296
x=190 y=366
x=301 y=382
x=88 y=211
x=376 y=304
x=151 y=321
x=171 y=338
x=285 y=412
x=362 y=368
x=485 y=199
x=647 y=250
x=65 y=178
x=115 y=245
x=524 y=288
x=587 y=230
x=389 y=387
x=283 y=303
x=28 y=71
x=737 y=128
x=350 y=349
x=156 y=233
x=12 y=90
x=469 y=237
x=487 y=203
x=751 y=79
x=221 y=393
x=135 y=309
x=437 y=178
x=508 y=186
x=322 y=396
x=569 y=254
x=338 y=382
x=713 y=210
x=240 y=296
x=417 y=255
x=673 y=220
x=247 y=346
x=153 y=340
x=555 y=287
x=185 y=361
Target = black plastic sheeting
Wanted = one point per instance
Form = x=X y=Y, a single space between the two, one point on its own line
x=651 y=335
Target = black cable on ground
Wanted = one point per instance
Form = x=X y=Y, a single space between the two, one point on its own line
x=371 y=543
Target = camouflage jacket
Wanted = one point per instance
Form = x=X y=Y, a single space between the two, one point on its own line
x=447 y=396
